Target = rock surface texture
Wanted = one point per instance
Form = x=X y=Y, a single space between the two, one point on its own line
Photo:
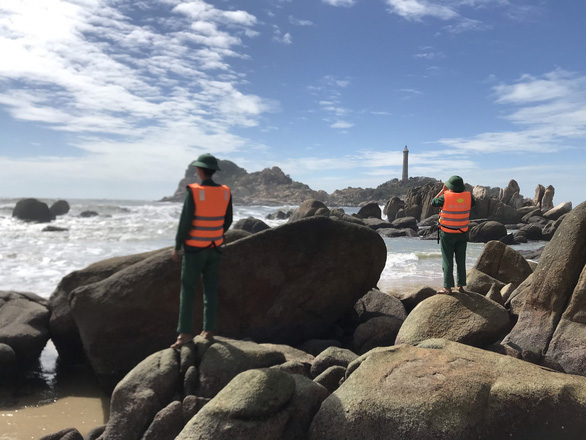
x=313 y=271
x=551 y=321
x=445 y=390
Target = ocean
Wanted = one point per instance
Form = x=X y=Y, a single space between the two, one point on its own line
x=35 y=261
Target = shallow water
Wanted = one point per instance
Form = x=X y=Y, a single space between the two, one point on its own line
x=49 y=399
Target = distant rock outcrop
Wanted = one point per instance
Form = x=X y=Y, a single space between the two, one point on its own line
x=33 y=210
x=273 y=186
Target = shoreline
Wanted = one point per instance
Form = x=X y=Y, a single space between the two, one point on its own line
x=51 y=398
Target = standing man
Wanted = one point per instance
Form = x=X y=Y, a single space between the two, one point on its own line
x=206 y=215
x=455 y=203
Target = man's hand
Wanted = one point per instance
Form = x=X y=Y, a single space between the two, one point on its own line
x=175 y=255
x=444 y=189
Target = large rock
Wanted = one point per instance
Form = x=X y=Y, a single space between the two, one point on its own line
x=479 y=282
x=60 y=207
x=62 y=326
x=557 y=211
x=250 y=224
x=568 y=345
x=283 y=285
x=503 y=263
x=308 y=208
x=32 y=210
x=487 y=231
x=226 y=358
x=539 y=191
x=442 y=390
x=24 y=324
x=468 y=318
x=547 y=200
x=509 y=193
x=376 y=332
x=418 y=201
x=554 y=283
x=482 y=205
x=264 y=404
x=136 y=400
x=392 y=208
x=502 y=213
x=371 y=209
x=376 y=303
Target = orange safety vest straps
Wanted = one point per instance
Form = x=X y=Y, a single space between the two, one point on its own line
x=454 y=216
x=211 y=203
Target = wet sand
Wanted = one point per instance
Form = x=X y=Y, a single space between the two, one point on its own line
x=49 y=399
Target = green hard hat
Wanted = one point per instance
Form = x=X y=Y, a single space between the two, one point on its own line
x=456 y=184
x=208 y=161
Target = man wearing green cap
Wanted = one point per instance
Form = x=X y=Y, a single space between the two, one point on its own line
x=455 y=203
x=206 y=215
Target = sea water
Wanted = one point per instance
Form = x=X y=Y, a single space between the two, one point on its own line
x=33 y=260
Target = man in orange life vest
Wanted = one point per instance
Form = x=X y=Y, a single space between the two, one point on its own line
x=455 y=203
x=206 y=215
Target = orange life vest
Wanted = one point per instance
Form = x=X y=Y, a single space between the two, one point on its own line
x=455 y=214
x=211 y=203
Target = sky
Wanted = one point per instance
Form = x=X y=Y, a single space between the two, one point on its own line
x=113 y=99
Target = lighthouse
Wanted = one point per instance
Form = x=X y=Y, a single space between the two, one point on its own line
x=405 y=164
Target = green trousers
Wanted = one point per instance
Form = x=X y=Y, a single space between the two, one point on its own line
x=453 y=245
x=204 y=264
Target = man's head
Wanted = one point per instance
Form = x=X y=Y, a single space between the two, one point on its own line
x=207 y=163
x=456 y=184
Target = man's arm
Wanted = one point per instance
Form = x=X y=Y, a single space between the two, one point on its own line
x=186 y=220
x=228 y=216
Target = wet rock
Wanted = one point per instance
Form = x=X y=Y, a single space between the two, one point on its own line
x=32 y=210
x=64 y=434
x=369 y=210
x=251 y=225
x=24 y=324
x=307 y=209
x=60 y=207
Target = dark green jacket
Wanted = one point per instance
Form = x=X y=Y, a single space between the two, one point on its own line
x=187 y=214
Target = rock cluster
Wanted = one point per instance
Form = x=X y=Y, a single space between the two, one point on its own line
x=412 y=365
x=495 y=213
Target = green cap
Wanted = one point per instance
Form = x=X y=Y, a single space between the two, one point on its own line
x=456 y=184
x=208 y=161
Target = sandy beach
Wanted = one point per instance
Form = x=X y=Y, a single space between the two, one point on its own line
x=51 y=399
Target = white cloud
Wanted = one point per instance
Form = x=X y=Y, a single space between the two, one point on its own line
x=299 y=22
x=550 y=112
x=418 y=9
x=342 y=124
x=344 y=3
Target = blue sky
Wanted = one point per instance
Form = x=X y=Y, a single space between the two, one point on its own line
x=114 y=98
